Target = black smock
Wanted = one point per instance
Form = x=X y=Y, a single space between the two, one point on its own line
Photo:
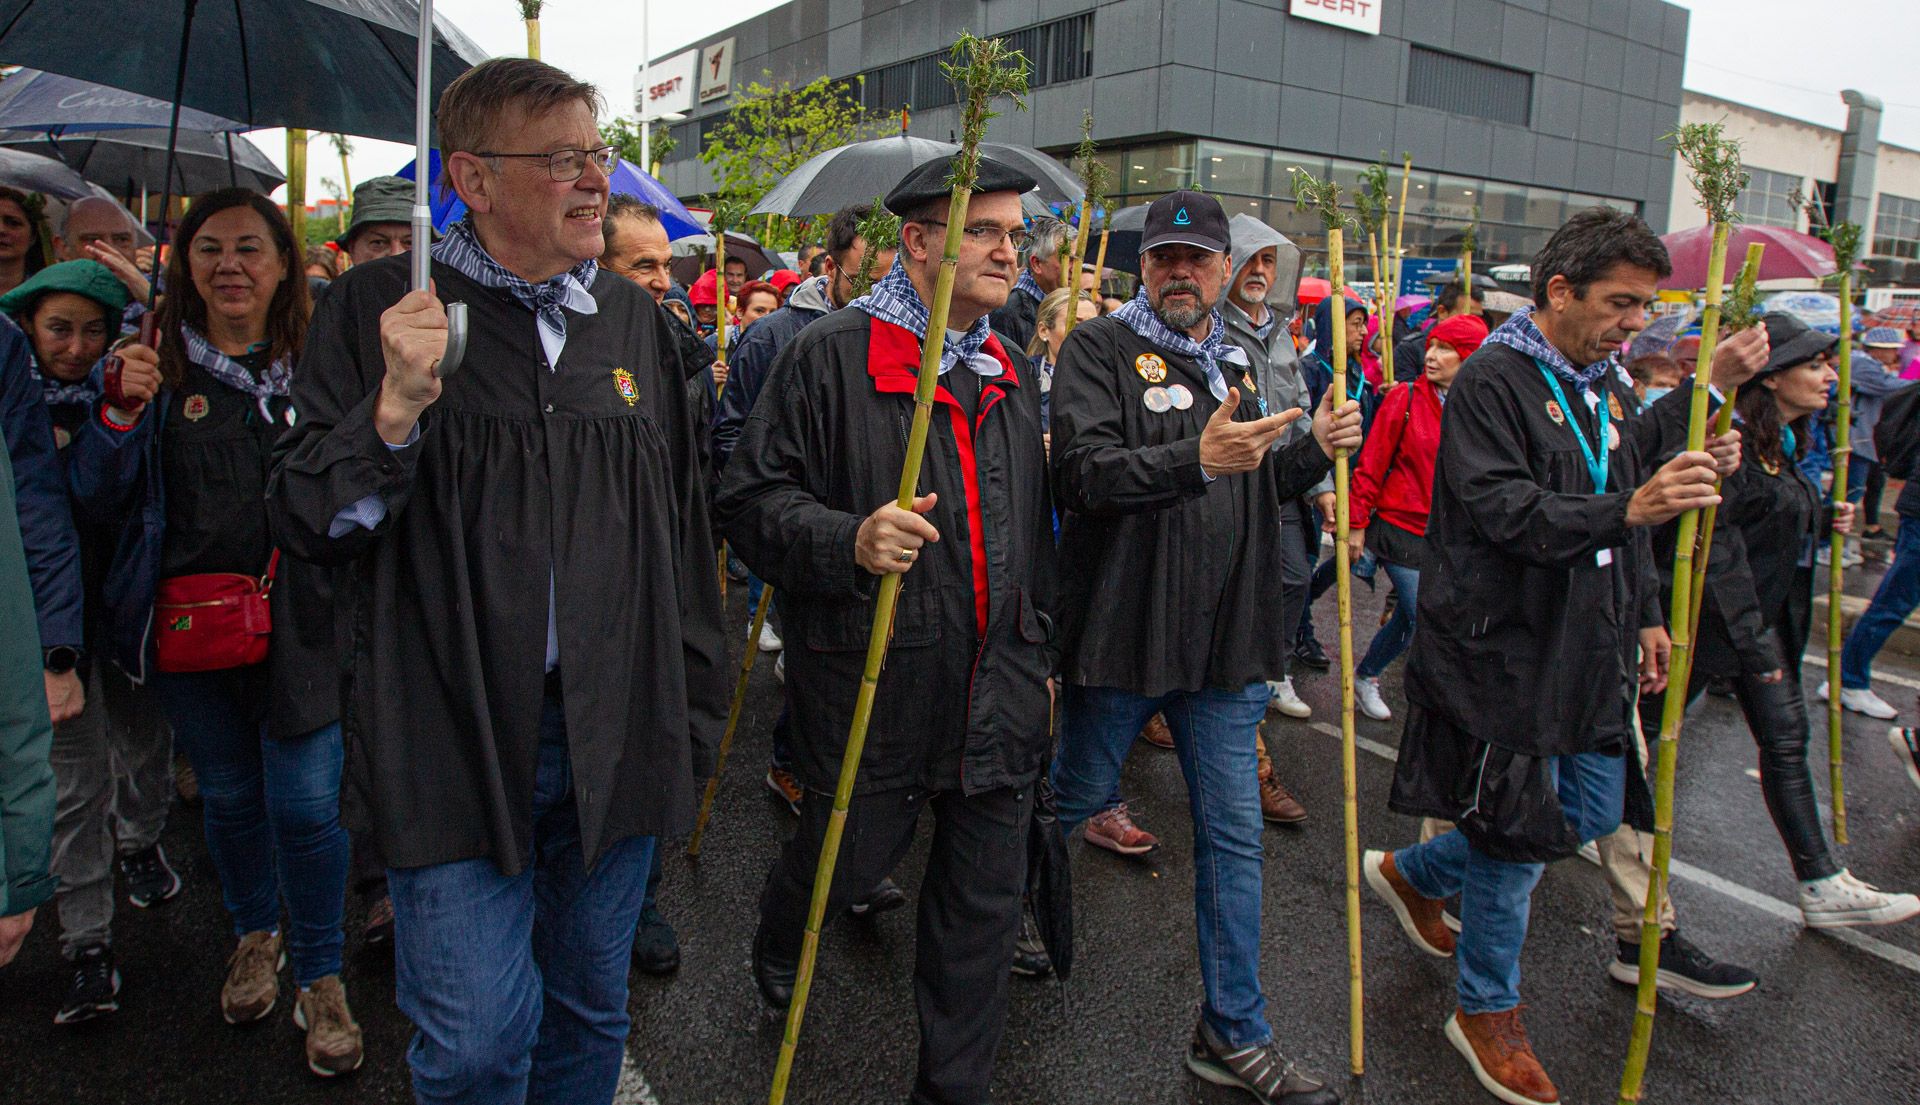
x=962 y=702
x=1015 y=321
x=586 y=477
x=215 y=454
x=1172 y=581
x=1528 y=646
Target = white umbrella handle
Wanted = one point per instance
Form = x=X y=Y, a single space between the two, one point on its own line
x=422 y=205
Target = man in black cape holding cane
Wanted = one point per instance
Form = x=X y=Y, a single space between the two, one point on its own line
x=960 y=717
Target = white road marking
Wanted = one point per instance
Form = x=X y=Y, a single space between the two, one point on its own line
x=633 y=1088
x=1882 y=677
x=1899 y=957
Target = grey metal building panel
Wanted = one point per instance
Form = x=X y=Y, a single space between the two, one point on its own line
x=1469 y=146
x=1366 y=130
x=1593 y=168
x=1566 y=46
x=1513 y=151
x=1428 y=21
x=1310 y=56
x=1309 y=119
x=1523 y=39
x=1553 y=160
x=1673 y=39
x=1186 y=100
x=841 y=13
x=1249 y=39
x=843 y=48
x=1636 y=130
x=1606 y=59
x=1125 y=38
x=1599 y=115
x=1419 y=131
x=1610 y=16
x=1556 y=106
x=1055 y=113
x=1246 y=110
x=1646 y=22
x=1374 y=69
x=1008 y=15
x=1572 y=10
x=1188 y=32
x=1478 y=27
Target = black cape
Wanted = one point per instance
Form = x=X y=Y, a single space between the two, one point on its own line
x=957 y=707
x=587 y=475
x=1173 y=581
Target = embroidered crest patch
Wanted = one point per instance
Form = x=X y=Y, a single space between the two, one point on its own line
x=623 y=380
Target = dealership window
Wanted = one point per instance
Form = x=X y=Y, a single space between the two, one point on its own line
x=1465 y=86
x=1896 y=228
x=1058 y=51
x=1768 y=198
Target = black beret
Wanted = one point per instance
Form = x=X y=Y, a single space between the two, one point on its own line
x=929 y=183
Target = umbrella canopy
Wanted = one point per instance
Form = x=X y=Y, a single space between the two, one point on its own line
x=1480 y=280
x=1662 y=333
x=31 y=172
x=132 y=160
x=52 y=104
x=689 y=260
x=627 y=179
x=1900 y=316
x=345 y=66
x=859 y=171
x=1313 y=289
x=1819 y=310
x=1790 y=254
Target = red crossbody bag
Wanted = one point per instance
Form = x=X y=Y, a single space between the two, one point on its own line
x=213 y=621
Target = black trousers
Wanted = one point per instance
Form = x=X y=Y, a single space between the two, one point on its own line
x=1776 y=714
x=969 y=914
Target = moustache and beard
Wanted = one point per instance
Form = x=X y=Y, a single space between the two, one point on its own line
x=1181 y=318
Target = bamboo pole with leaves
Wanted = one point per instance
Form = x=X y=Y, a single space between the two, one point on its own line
x=530 y=14
x=1845 y=239
x=1400 y=225
x=1469 y=238
x=296 y=186
x=1736 y=314
x=1374 y=200
x=981 y=71
x=1094 y=178
x=733 y=719
x=1718 y=179
x=1323 y=199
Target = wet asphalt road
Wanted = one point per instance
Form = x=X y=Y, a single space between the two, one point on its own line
x=1831 y=1021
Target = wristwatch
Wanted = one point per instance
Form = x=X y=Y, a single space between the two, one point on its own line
x=60 y=659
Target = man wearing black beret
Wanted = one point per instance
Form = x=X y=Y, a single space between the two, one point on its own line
x=960 y=719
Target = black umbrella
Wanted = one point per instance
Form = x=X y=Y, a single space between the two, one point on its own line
x=38 y=101
x=1480 y=279
x=32 y=172
x=859 y=171
x=1050 y=879
x=133 y=160
x=690 y=259
x=345 y=66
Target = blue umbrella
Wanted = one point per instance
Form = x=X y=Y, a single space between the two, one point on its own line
x=626 y=180
x=57 y=105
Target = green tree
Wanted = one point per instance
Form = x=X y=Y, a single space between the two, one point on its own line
x=623 y=134
x=770 y=131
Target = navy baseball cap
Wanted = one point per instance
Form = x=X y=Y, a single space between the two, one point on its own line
x=1186 y=218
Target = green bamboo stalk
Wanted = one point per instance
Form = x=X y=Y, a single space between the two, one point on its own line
x=1400 y=226
x=878 y=227
x=1718 y=179
x=1738 y=315
x=981 y=69
x=1324 y=200
x=1845 y=238
x=733 y=719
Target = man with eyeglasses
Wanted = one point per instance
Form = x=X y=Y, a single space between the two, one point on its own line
x=519 y=736
x=1172 y=494
x=960 y=720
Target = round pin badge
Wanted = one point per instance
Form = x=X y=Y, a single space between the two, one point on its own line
x=1151 y=367
x=1157 y=400
x=1182 y=398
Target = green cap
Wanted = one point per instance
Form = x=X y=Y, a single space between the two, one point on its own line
x=86 y=278
x=384 y=199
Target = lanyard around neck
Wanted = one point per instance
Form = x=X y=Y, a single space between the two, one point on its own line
x=1596 y=465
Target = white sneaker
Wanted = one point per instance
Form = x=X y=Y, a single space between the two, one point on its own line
x=1280 y=697
x=1862 y=701
x=1366 y=695
x=1842 y=901
x=769 y=640
x=780 y=669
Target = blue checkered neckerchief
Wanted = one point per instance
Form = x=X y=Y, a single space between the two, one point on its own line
x=55 y=392
x=1141 y=318
x=1029 y=285
x=894 y=299
x=1520 y=333
x=461 y=249
x=277 y=380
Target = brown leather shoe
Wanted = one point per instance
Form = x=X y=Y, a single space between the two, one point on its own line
x=333 y=1037
x=1496 y=1047
x=1277 y=805
x=253 y=978
x=1156 y=732
x=1419 y=916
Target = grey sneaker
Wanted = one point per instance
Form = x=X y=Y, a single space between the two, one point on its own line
x=253 y=978
x=333 y=1037
x=1261 y=1070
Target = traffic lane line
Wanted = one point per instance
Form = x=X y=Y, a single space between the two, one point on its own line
x=1880 y=949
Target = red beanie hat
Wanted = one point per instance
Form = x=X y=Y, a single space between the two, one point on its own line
x=1463 y=332
x=705 y=293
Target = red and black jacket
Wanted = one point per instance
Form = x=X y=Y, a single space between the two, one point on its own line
x=962 y=701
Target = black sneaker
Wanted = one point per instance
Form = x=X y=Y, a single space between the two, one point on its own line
x=1030 y=959
x=886 y=896
x=656 y=947
x=1684 y=968
x=1260 y=1070
x=150 y=880
x=95 y=989
x=1307 y=651
x=1906 y=745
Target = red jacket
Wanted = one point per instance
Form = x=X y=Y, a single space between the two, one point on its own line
x=1395 y=476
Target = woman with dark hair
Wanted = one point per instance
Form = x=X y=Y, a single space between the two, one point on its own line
x=111 y=764
x=183 y=455
x=1759 y=610
x=23 y=241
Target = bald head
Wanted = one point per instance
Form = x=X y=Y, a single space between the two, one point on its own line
x=94 y=220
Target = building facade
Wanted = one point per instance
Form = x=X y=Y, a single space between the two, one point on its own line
x=1515 y=112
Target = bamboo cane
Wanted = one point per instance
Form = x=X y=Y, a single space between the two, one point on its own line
x=1100 y=261
x=1382 y=305
x=1836 y=573
x=721 y=296
x=733 y=720
x=1674 y=706
x=1400 y=222
x=1343 y=582
x=1723 y=421
x=981 y=70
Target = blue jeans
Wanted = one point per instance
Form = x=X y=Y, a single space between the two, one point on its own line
x=1363 y=569
x=1896 y=597
x=1213 y=734
x=517 y=984
x=1495 y=895
x=271 y=810
x=1393 y=637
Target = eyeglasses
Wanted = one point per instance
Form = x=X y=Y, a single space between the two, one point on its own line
x=567 y=165
x=989 y=236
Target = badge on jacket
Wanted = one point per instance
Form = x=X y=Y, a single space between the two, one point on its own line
x=1181 y=397
x=1150 y=367
x=194 y=408
x=1157 y=400
x=1247 y=379
x=1613 y=407
x=623 y=381
x=1554 y=412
